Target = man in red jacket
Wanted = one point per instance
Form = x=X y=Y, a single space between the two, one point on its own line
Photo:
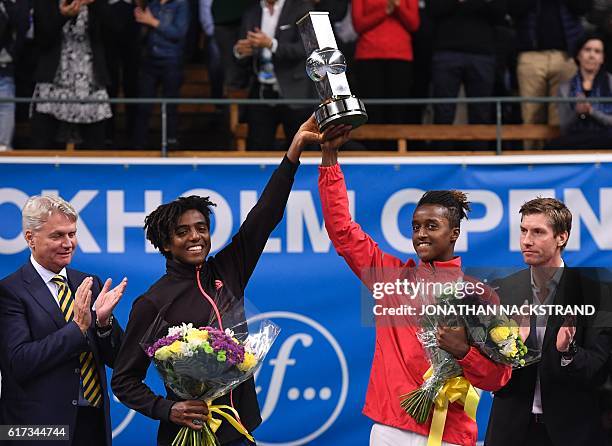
x=399 y=359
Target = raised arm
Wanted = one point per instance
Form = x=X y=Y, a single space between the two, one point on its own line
x=351 y=242
x=239 y=258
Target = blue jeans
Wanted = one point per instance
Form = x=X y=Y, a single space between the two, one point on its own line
x=7 y=110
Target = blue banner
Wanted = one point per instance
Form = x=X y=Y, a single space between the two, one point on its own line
x=312 y=387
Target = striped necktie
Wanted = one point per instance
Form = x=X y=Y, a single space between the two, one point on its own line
x=92 y=390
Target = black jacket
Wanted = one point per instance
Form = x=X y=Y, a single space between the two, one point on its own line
x=13 y=28
x=290 y=58
x=468 y=26
x=39 y=354
x=525 y=14
x=48 y=24
x=568 y=394
x=177 y=295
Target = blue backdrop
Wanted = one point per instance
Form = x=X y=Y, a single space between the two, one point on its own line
x=313 y=391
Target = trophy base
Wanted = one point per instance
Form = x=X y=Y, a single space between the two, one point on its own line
x=347 y=110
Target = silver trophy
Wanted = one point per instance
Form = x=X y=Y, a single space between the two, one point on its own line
x=326 y=67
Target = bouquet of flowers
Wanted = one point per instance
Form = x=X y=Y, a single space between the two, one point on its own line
x=419 y=403
x=497 y=337
x=204 y=363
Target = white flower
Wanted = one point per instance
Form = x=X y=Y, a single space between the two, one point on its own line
x=180 y=329
x=229 y=332
x=187 y=349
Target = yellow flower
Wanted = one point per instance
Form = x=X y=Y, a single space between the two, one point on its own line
x=500 y=334
x=163 y=353
x=196 y=336
x=176 y=347
x=514 y=328
x=249 y=362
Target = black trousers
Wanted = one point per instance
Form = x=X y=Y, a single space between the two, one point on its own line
x=50 y=133
x=89 y=429
x=477 y=74
x=263 y=120
x=537 y=435
x=475 y=71
x=122 y=61
x=153 y=74
x=384 y=78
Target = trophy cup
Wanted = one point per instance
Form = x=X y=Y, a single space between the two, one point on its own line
x=326 y=67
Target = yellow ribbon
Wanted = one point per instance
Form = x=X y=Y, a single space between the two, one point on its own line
x=214 y=423
x=457 y=390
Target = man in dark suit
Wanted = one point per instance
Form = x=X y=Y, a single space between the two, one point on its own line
x=53 y=344
x=553 y=402
x=272 y=46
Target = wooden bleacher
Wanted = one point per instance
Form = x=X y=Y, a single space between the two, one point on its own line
x=402 y=133
x=197 y=85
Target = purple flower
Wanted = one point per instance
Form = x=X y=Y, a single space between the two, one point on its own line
x=162 y=342
x=220 y=341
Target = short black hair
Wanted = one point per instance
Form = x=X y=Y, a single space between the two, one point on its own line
x=454 y=201
x=161 y=223
x=592 y=35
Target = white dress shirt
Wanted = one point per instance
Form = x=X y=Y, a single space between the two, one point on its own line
x=541 y=326
x=47 y=275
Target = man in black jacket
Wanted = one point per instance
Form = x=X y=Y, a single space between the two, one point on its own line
x=553 y=402
x=272 y=46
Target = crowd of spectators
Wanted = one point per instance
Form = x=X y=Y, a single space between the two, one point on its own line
x=95 y=49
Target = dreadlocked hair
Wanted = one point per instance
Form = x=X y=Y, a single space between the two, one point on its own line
x=161 y=223
x=454 y=201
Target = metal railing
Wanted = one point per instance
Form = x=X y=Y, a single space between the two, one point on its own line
x=164 y=102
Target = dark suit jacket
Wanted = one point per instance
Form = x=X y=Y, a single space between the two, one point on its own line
x=48 y=24
x=569 y=394
x=290 y=58
x=39 y=353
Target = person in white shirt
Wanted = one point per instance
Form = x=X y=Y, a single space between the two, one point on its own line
x=271 y=45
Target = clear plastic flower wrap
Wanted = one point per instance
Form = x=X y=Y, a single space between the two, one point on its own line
x=419 y=403
x=207 y=362
x=497 y=337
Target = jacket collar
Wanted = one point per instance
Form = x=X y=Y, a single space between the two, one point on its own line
x=37 y=288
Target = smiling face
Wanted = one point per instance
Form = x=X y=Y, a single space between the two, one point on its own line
x=432 y=237
x=539 y=244
x=53 y=245
x=190 y=240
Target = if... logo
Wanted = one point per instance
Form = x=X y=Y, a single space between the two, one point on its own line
x=303 y=383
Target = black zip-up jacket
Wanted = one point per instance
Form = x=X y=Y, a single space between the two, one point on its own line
x=177 y=293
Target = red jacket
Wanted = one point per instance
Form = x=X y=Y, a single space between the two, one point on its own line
x=399 y=359
x=383 y=36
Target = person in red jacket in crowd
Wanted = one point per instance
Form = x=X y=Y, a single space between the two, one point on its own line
x=399 y=358
x=383 y=57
